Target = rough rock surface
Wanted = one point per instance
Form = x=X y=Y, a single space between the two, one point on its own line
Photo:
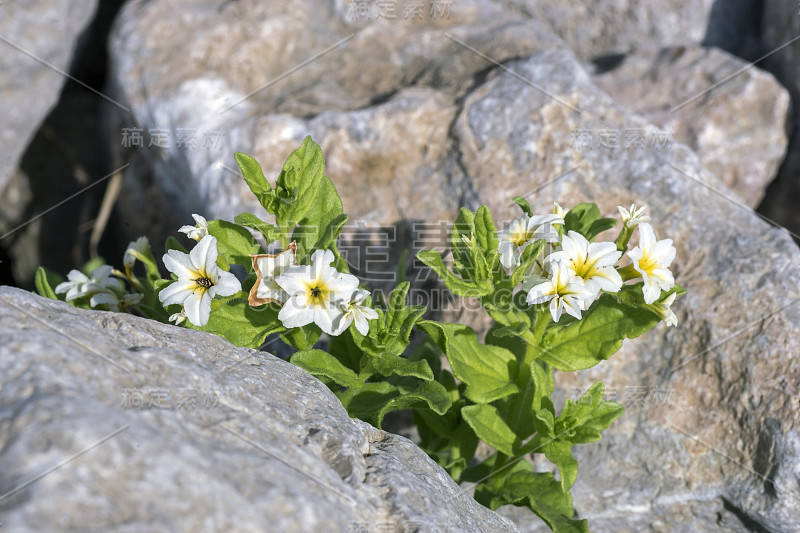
x=34 y=32
x=606 y=27
x=735 y=118
x=112 y=422
x=726 y=375
x=351 y=96
x=37 y=39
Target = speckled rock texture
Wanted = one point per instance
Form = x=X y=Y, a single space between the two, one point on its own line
x=110 y=422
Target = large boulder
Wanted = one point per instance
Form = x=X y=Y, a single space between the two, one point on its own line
x=710 y=438
x=38 y=39
x=734 y=117
x=113 y=422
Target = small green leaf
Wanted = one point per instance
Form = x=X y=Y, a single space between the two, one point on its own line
x=456 y=285
x=249 y=220
x=298 y=184
x=372 y=401
x=488 y=371
x=321 y=363
x=581 y=217
x=388 y=364
x=321 y=226
x=523 y=204
x=490 y=427
x=234 y=243
x=42 y=282
x=599 y=226
x=529 y=256
x=173 y=244
x=254 y=177
x=538 y=491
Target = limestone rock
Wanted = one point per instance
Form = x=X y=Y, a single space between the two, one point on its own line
x=35 y=33
x=599 y=28
x=726 y=375
x=251 y=84
x=735 y=118
x=140 y=426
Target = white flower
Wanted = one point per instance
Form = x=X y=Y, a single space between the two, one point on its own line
x=523 y=231
x=564 y=291
x=664 y=311
x=198 y=231
x=592 y=262
x=633 y=217
x=315 y=292
x=81 y=285
x=652 y=260
x=113 y=301
x=559 y=211
x=352 y=310
x=136 y=250
x=178 y=317
x=268 y=267
x=199 y=280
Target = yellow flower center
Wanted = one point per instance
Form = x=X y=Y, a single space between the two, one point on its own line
x=318 y=293
x=204 y=282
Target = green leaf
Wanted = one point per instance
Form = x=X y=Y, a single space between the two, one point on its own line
x=234 y=243
x=254 y=177
x=390 y=333
x=596 y=336
x=43 y=283
x=173 y=244
x=388 y=364
x=529 y=256
x=559 y=453
x=249 y=220
x=490 y=427
x=488 y=371
x=540 y=492
x=234 y=320
x=298 y=184
x=321 y=226
x=583 y=421
x=301 y=338
x=523 y=204
x=321 y=363
x=486 y=232
x=599 y=226
x=373 y=401
x=456 y=285
x=581 y=217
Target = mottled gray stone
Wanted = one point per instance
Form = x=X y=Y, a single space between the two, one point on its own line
x=353 y=98
x=34 y=32
x=140 y=426
x=728 y=374
x=595 y=28
x=734 y=117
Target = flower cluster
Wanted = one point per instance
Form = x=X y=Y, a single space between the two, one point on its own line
x=571 y=272
x=315 y=293
x=100 y=288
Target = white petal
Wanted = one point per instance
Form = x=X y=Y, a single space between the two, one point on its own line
x=227 y=284
x=177 y=292
x=361 y=323
x=325 y=317
x=179 y=264
x=295 y=279
x=198 y=307
x=341 y=323
x=293 y=315
x=204 y=250
x=541 y=293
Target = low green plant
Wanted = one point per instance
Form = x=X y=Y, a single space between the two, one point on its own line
x=557 y=299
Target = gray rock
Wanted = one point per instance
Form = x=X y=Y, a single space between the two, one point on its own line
x=727 y=375
x=605 y=27
x=258 y=85
x=734 y=117
x=112 y=422
x=38 y=39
